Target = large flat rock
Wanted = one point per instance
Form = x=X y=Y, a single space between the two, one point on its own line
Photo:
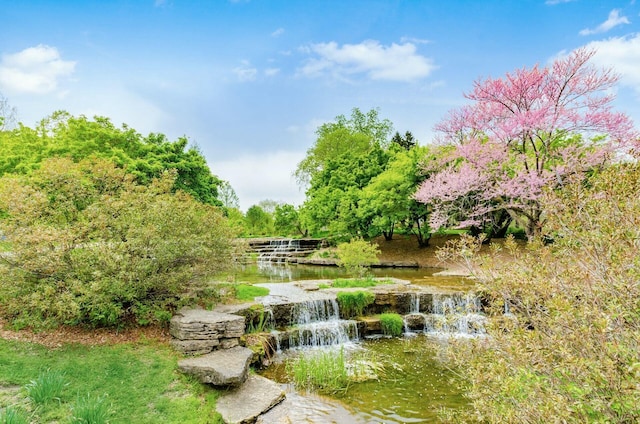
x=246 y=403
x=228 y=367
x=198 y=324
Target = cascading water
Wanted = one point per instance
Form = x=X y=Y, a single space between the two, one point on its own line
x=317 y=323
x=452 y=314
x=279 y=250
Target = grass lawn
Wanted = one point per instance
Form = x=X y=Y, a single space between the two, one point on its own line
x=138 y=381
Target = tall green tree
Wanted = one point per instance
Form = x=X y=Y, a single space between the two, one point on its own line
x=357 y=134
x=258 y=222
x=62 y=135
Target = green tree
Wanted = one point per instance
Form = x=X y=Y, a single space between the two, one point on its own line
x=287 y=221
x=90 y=246
x=258 y=222
x=356 y=255
x=228 y=196
x=358 y=135
x=62 y=135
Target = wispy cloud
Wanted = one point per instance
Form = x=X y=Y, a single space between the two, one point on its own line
x=245 y=72
x=278 y=32
x=34 y=70
x=397 y=62
x=553 y=2
x=623 y=55
x=270 y=72
x=612 y=21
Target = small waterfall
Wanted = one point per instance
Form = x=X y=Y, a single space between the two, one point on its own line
x=457 y=314
x=414 y=316
x=317 y=323
x=279 y=250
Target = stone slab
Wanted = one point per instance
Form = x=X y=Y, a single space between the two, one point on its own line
x=195 y=347
x=199 y=324
x=228 y=367
x=246 y=403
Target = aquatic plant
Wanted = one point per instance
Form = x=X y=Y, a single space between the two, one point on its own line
x=391 y=324
x=353 y=303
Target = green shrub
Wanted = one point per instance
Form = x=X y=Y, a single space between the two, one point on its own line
x=90 y=410
x=249 y=292
x=11 y=415
x=568 y=349
x=356 y=255
x=391 y=324
x=353 y=304
x=90 y=246
x=47 y=387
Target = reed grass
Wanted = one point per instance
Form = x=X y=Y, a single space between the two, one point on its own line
x=323 y=371
x=352 y=304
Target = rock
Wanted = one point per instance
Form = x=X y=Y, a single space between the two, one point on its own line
x=247 y=402
x=212 y=328
x=221 y=368
x=195 y=347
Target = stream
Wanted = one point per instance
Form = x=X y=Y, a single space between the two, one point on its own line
x=413 y=383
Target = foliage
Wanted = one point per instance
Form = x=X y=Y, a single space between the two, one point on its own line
x=23 y=149
x=567 y=351
x=287 y=221
x=12 y=415
x=333 y=198
x=392 y=324
x=92 y=247
x=258 y=222
x=47 y=387
x=357 y=135
x=249 y=291
x=533 y=129
x=138 y=381
x=227 y=196
x=356 y=255
x=324 y=371
x=353 y=303
x=90 y=410
x=388 y=198
x=358 y=282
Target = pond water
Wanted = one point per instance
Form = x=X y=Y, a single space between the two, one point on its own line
x=412 y=387
x=415 y=383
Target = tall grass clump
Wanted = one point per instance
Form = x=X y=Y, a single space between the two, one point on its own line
x=90 y=410
x=342 y=283
x=324 y=371
x=353 y=304
x=391 y=324
x=11 y=415
x=48 y=386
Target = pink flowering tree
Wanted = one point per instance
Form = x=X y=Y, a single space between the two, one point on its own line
x=532 y=129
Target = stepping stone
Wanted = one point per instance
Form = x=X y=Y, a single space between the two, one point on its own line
x=227 y=367
x=246 y=403
x=198 y=324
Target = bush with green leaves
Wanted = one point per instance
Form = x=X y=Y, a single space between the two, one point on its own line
x=353 y=303
x=391 y=324
x=356 y=255
x=568 y=350
x=90 y=246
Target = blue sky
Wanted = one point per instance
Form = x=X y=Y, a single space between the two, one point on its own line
x=249 y=81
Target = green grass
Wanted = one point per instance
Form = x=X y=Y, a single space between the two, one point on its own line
x=138 y=382
x=249 y=292
x=392 y=324
x=47 y=387
x=91 y=410
x=342 y=283
x=323 y=371
x=5 y=246
x=353 y=303
x=11 y=415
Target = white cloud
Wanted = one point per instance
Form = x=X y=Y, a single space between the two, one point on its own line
x=264 y=176
x=623 y=55
x=278 y=32
x=612 y=21
x=34 y=70
x=270 y=72
x=246 y=72
x=397 y=62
